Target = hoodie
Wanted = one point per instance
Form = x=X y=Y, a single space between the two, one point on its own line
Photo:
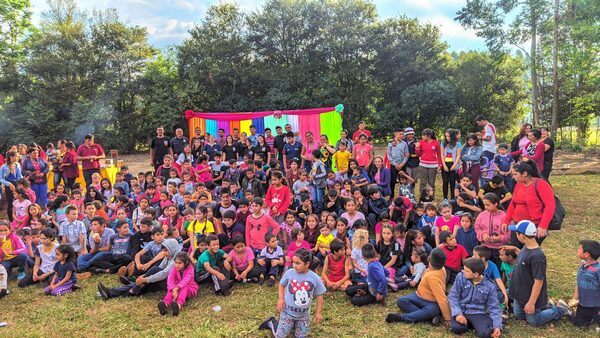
x=167 y=263
x=17 y=245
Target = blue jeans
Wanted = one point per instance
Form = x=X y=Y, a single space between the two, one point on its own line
x=540 y=317
x=57 y=178
x=417 y=309
x=85 y=261
x=19 y=261
x=317 y=195
x=41 y=193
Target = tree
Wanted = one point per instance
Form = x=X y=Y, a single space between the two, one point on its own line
x=492 y=21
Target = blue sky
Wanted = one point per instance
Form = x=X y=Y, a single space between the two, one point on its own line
x=168 y=21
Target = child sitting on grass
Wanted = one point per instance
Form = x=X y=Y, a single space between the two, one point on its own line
x=64 y=278
x=213 y=266
x=418 y=259
x=297 y=288
x=491 y=271
x=241 y=259
x=322 y=246
x=430 y=299
x=473 y=302
x=270 y=260
x=336 y=268
x=587 y=291
x=180 y=285
x=455 y=255
x=376 y=288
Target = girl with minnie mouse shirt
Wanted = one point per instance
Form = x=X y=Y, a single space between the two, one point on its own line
x=297 y=288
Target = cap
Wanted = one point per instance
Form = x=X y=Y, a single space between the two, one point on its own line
x=525 y=227
x=409 y=130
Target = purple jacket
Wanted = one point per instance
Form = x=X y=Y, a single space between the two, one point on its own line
x=467 y=298
x=384 y=180
x=17 y=244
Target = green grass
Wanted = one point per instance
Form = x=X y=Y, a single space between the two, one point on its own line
x=29 y=313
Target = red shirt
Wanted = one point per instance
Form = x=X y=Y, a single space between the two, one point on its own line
x=360 y=132
x=455 y=256
x=429 y=153
x=278 y=197
x=526 y=205
x=85 y=151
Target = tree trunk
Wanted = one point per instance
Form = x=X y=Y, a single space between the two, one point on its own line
x=555 y=69
x=534 y=79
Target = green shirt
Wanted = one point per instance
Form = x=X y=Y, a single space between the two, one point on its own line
x=214 y=260
x=507 y=269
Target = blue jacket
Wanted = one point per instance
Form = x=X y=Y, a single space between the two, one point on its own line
x=384 y=180
x=376 y=277
x=468 y=298
x=5 y=174
x=467 y=239
x=471 y=154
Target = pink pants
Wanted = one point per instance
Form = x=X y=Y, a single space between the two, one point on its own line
x=184 y=294
x=392 y=272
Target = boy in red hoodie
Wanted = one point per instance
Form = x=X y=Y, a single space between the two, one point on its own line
x=455 y=255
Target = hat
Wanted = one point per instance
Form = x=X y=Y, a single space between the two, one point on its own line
x=437 y=258
x=497 y=179
x=409 y=130
x=525 y=227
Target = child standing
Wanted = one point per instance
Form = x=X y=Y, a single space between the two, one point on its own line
x=64 y=272
x=587 y=292
x=529 y=286
x=376 y=289
x=317 y=177
x=430 y=299
x=488 y=226
x=336 y=268
x=180 y=285
x=297 y=288
x=473 y=302
x=278 y=197
x=503 y=164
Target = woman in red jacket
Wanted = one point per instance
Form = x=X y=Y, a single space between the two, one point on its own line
x=430 y=156
x=69 y=166
x=526 y=205
x=534 y=150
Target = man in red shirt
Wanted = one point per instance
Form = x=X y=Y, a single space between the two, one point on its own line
x=90 y=154
x=361 y=131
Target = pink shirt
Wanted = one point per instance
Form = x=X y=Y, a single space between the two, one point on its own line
x=363 y=154
x=242 y=263
x=203 y=176
x=351 y=219
x=293 y=248
x=443 y=225
x=21 y=208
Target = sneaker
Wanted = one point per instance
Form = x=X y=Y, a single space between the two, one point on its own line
x=3 y=293
x=124 y=280
x=562 y=305
x=437 y=320
x=261 y=280
x=271 y=282
x=21 y=275
x=175 y=308
x=103 y=291
x=162 y=308
x=390 y=280
x=551 y=302
x=122 y=271
x=393 y=286
x=84 y=275
x=394 y=318
x=265 y=325
x=253 y=280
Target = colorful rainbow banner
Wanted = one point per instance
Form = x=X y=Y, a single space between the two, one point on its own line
x=320 y=121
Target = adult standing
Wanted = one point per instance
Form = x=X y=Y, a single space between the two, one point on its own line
x=488 y=142
x=521 y=140
x=526 y=205
x=308 y=149
x=451 y=149
x=292 y=149
x=69 y=166
x=534 y=149
x=220 y=139
x=178 y=142
x=37 y=170
x=210 y=149
x=10 y=173
x=90 y=154
x=548 y=153
x=327 y=151
x=429 y=151
x=471 y=159
x=159 y=147
x=262 y=148
x=398 y=154
x=279 y=143
x=361 y=131
x=412 y=165
x=197 y=136
x=57 y=161
x=253 y=137
x=344 y=137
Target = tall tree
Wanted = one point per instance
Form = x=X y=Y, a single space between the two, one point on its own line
x=509 y=22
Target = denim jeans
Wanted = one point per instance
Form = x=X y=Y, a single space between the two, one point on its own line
x=317 y=195
x=85 y=261
x=41 y=193
x=540 y=316
x=417 y=309
x=19 y=261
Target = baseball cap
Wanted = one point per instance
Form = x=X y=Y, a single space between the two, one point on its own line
x=525 y=227
x=409 y=130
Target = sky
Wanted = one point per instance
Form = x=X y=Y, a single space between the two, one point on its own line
x=168 y=21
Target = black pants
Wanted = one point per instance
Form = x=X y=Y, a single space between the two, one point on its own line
x=449 y=181
x=28 y=280
x=450 y=276
x=547 y=170
x=360 y=299
x=586 y=315
x=481 y=323
x=268 y=268
x=393 y=180
x=87 y=175
x=112 y=262
x=220 y=285
x=70 y=181
x=123 y=291
x=8 y=196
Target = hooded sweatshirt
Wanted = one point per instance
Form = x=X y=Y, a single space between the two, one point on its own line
x=167 y=263
x=18 y=246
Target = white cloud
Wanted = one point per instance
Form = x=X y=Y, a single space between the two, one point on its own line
x=451 y=29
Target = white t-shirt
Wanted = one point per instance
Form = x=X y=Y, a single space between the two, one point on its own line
x=490 y=130
x=47 y=261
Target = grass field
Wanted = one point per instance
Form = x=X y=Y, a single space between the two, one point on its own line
x=82 y=314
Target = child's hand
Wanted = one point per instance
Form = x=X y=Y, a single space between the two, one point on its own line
x=413 y=283
x=261 y=262
x=461 y=319
x=175 y=293
x=140 y=281
x=220 y=276
x=379 y=297
x=496 y=333
x=280 y=305
x=52 y=286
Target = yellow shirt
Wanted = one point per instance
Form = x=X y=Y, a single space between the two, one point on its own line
x=341 y=159
x=200 y=228
x=325 y=240
x=7 y=247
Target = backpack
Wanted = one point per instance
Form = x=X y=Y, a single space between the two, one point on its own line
x=559 y=211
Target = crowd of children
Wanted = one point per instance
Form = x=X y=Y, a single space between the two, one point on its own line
x=228 y=221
